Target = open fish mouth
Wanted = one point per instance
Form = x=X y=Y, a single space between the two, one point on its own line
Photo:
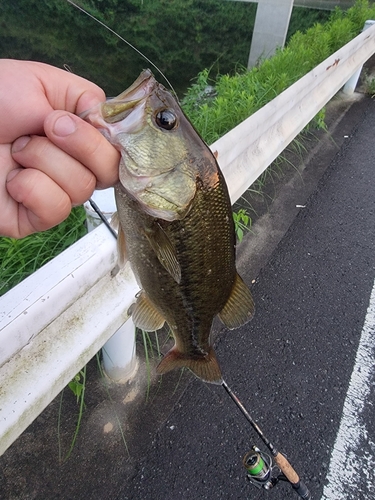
x=120 y=109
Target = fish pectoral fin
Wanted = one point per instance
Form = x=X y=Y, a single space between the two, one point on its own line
x=239 y=308
x=144 y=314
x=204 y=367
x=164 y=250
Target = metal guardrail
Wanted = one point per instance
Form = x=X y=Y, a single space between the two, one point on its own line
x=56 y=320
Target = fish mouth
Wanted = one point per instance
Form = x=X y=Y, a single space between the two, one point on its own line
x=116 y=109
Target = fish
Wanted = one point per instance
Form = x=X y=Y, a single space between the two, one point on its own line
x=175 y=225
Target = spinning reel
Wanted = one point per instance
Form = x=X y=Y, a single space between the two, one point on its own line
x=260 y=469
x=266 y=470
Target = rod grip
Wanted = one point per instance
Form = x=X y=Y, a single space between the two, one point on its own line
x=292 y=476
x=286 y=468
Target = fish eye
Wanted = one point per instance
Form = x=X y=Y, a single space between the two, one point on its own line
x=166 y=119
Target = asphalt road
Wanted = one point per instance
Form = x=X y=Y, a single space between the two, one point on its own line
x=292 y=366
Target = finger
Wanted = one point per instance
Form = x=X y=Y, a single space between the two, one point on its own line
x=41 y=202
x=86 y=144
x=46 y=88
x=65 y=90
x=41 y=154
x=8 y=206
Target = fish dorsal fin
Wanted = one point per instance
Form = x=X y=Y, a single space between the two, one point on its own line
x=164 y=250
x=239 y=308
x=144 y=314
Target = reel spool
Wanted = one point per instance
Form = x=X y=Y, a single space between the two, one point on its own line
x=259 y=468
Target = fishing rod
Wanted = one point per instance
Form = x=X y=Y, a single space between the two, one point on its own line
x=104 y=219
x=260 y=469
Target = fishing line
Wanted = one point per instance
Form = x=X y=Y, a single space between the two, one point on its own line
x=123 y=40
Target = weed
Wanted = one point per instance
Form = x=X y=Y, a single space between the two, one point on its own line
x=151 y=349
x=104 y=378
x=20 y=258
x=369 y=81
x=78 y=387
x=242 y=222
x=239 y=96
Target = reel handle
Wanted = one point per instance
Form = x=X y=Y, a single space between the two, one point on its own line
x=292 y=476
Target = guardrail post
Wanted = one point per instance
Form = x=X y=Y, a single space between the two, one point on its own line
x=270 y=29
x=119 y=359
x=351 y=84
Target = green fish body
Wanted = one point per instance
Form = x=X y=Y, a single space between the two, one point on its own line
x=176 y=224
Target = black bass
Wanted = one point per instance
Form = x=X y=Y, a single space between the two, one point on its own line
x=176 y=224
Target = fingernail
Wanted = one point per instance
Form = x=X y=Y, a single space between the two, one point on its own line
x=64 y=126
x=12 y=174
x=20 y=143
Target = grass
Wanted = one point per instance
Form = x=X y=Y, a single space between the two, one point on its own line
x=369 y=81
x=239 y=96
x=242 y=223
x=78 y=387
x=20 y=258
x=217 y=105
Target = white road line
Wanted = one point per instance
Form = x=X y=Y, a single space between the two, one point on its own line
x=352 y=465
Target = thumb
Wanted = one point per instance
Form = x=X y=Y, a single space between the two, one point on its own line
x=84 y=143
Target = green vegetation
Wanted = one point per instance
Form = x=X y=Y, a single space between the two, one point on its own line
x=180 y=36
x=151 y=349
x=78 y=387
x=240 y=95
x=242 y=223
x=20 y=258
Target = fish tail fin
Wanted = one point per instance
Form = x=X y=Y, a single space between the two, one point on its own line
x=206 y=368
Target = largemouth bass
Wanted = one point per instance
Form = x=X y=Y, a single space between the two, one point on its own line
x=176 y=224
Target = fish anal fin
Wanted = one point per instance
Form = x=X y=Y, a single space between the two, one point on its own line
x=144 y=314
x=204 y=367
x=239 y=308
x=164 y=250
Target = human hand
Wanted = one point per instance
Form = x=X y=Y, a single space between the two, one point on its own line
x=50 y=159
